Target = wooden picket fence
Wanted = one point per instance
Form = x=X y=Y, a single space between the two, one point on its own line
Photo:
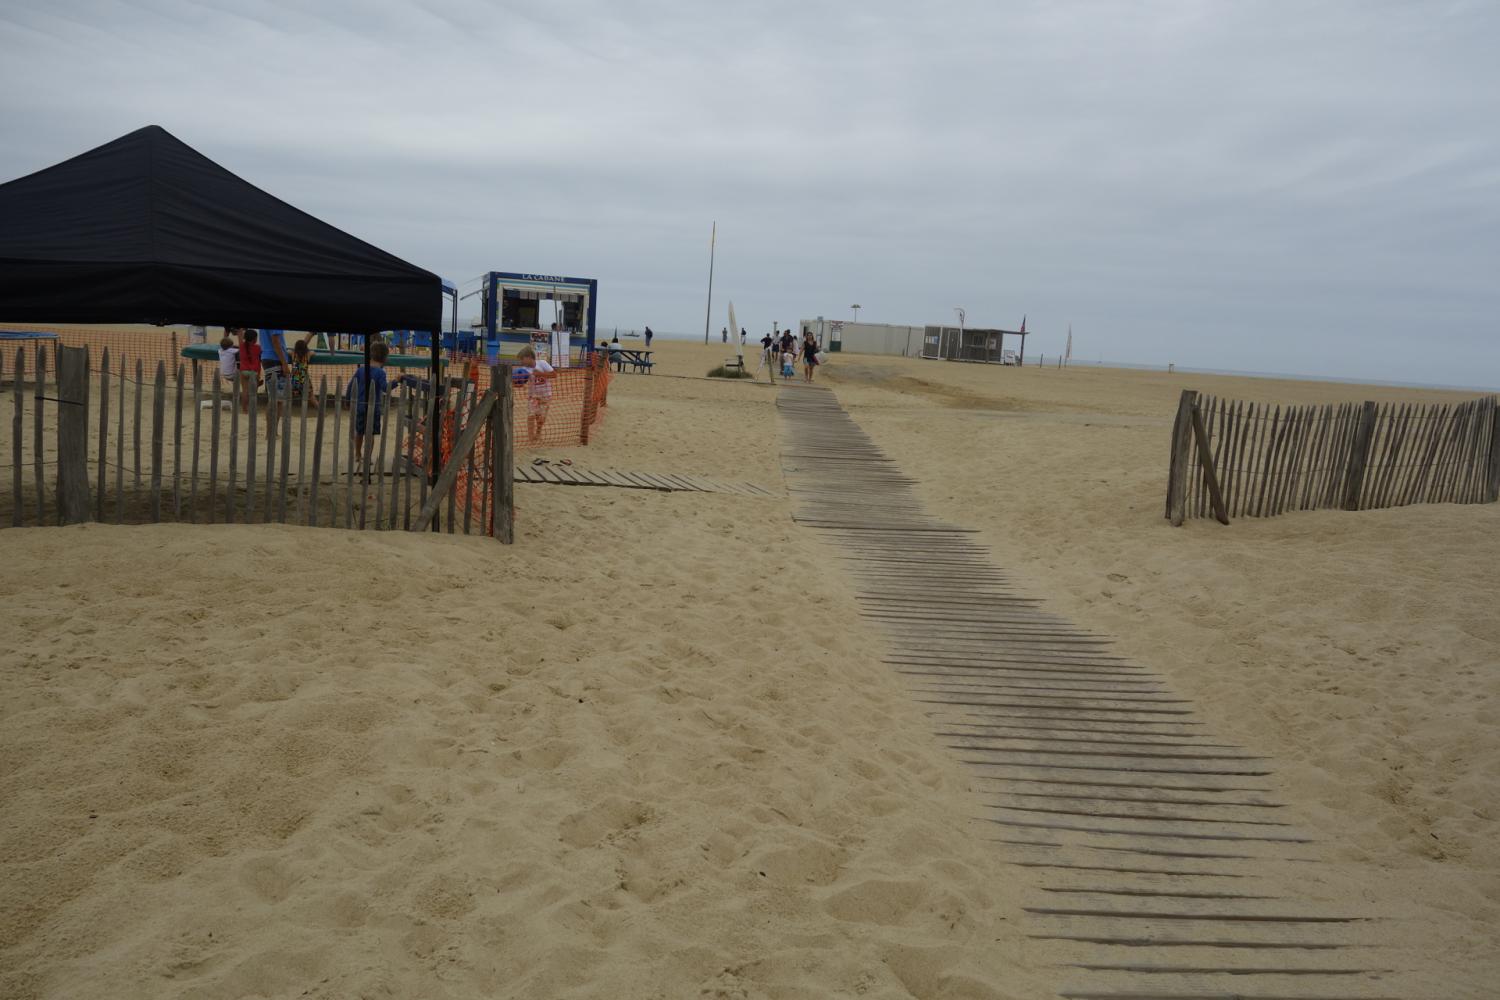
x=131 y=450
x=1236 y=459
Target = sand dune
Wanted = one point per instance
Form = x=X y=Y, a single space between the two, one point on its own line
x=650 y=752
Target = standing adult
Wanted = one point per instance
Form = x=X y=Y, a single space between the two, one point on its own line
x=809 y=356
x=788 y=342
x=649 y=335
x=724 y=334
x=743 y=336
x=276 y=367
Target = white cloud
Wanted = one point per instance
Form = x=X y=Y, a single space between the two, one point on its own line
x=1259 y=184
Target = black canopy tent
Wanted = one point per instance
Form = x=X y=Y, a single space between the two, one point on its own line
x=145 y=229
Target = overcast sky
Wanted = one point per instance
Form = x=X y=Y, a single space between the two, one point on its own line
x=1300 y=186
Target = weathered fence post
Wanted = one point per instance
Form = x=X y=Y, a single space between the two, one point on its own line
x=72 y=435
x=1359 y=456
x=1177 y=475
x=1492 y=480
x=502 y=436
x=1206 y=460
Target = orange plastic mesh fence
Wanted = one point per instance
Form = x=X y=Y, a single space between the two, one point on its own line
x=560 y=409
x=556 y=412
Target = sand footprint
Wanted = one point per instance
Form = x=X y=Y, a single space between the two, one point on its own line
x=876 y=901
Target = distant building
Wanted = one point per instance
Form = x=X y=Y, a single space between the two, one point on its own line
x=945 y=342
x=866 y=338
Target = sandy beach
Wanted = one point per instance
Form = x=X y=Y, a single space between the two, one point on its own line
x=651 y=750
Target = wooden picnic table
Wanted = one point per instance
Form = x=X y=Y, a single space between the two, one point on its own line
x=638 y=360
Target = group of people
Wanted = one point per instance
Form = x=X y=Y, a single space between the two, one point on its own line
x=782 y=352
x=245 y=359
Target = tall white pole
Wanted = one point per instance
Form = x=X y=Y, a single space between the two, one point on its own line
x=713 y=239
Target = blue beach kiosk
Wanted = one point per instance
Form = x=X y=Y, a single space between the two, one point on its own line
x=511 y=309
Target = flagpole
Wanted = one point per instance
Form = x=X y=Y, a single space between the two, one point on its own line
x=708 y=313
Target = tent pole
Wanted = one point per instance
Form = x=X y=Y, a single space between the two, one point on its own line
x=434 y=428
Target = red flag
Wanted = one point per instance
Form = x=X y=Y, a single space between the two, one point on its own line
x=1023 y=323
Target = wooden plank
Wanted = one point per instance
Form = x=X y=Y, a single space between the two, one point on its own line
x=1255 y=460
x=317 y=462
x=1461 y=459
x=1246 y=420
x=1492 y=465
x=158 y=419
x=472 y=475
x=1466 y=458
x=1465 y=477
x=502 y=433
x=1442 y=425
x=17 y=426
x=198 y=439
x=1177 y=472
x=103 y=434
x=458 y=429
x=336 y=450
x=307 y=391
x=389 y=425
x=38 y=437
x=230 y=502
x=1411 y=450
x=120 y=450
x=1206 y=461
x=1380 y=447
x=177 y=447
x=395 y=420
x=1401 y=462
x=1280 y=449
x=1359 y=456
x=140 y=392
x=1268 y=462
x=488 y=484
x=252 y=424
x=411 y=417
x=1440 y=465
x=351 y=456
x=1321 y=487
x=449 y=475
x=1285 y=481
x=1482 y=452
x=274 y=404
x=1406 y=456
x=1314 y=457
x=1422 y=423
x=1390 y=440
x=1211 y=431
x=1305 y=422
x=285 y=420
x=1224 y=448
x=424 y=481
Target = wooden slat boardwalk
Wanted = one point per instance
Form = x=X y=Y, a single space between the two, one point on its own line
x=556 y=474
x=1155 y=861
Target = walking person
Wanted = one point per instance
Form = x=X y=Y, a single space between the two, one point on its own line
x=809 y=356
x=649 y=335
